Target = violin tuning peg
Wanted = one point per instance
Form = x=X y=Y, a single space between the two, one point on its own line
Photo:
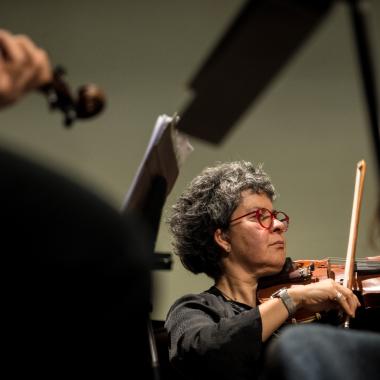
x=69 y=117
x=59 y=71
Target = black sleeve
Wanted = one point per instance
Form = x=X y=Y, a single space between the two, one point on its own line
x=207 y=339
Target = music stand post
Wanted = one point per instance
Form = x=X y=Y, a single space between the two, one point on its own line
x=152 y=211
x=166 y=151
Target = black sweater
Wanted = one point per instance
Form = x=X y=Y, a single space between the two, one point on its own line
x=211 y=337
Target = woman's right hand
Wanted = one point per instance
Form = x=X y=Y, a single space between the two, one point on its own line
x=324 y=295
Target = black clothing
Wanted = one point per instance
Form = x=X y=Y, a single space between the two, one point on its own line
x=211 y=337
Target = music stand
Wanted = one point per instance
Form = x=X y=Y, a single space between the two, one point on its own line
x=155 y=178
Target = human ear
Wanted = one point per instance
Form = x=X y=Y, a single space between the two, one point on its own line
x=221 y=238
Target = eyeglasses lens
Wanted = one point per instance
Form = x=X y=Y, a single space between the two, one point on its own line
x=283 y=218
x=265 y=218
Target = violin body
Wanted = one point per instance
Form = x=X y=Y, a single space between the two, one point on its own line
x=366 y=285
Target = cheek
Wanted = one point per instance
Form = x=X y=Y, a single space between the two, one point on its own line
x=251 y=241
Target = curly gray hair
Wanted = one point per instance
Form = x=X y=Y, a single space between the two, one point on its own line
x=206 y=205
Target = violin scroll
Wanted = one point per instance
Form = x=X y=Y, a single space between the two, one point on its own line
x=90 y=99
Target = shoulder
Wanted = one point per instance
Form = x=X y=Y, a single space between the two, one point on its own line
x=205 y=302
x=198 y=299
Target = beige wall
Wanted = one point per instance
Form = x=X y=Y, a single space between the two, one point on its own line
x=309 y=128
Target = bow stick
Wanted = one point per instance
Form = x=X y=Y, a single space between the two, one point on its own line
x=351 y=250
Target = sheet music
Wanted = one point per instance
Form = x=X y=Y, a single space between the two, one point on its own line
x=166 y=152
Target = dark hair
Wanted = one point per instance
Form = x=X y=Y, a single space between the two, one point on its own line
x=206 y=205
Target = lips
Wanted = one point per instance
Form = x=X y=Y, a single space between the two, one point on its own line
x=278 y=243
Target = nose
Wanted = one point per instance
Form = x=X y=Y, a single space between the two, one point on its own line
x=278 y=226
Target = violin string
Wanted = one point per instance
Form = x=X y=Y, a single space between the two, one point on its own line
x=362 y=263
x=364 y=266
x=342 y=259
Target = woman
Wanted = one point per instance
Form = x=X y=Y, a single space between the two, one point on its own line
x=224 y=225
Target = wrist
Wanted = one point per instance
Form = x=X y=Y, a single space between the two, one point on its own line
x=296 y=295
x=286 y=299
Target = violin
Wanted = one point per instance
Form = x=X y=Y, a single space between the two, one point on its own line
x=89 y=101
x=366 y=286
x=362 y=276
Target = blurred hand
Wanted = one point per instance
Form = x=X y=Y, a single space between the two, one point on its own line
x=23 y=67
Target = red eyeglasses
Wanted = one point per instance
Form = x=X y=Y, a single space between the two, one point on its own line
x=265 y=217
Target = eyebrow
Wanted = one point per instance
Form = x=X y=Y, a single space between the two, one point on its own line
x=255 y=208
x=246 y=213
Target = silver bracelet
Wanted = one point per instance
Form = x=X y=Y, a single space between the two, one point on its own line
x=286 y=300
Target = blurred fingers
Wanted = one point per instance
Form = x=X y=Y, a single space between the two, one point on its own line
x=11 y=50
x=37 y=70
